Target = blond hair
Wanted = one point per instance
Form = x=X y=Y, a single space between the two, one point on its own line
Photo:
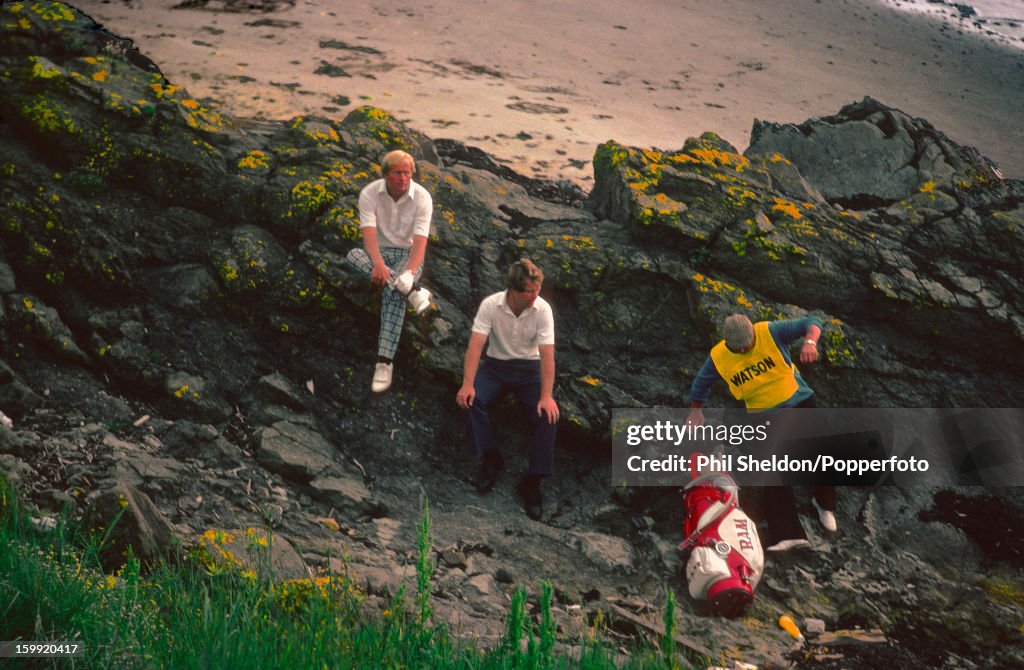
x=396 y=156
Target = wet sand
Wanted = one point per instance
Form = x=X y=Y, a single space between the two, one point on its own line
x=540 y=84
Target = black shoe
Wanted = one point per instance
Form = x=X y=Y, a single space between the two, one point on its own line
x=491 y=466
x=529 y=493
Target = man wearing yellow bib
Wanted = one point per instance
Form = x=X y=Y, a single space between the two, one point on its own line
x=753 y=359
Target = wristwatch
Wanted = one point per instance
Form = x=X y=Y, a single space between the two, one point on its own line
x=811 y=342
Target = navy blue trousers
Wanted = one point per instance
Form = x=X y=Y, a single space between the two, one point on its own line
x=781 y=516
x=495 y=378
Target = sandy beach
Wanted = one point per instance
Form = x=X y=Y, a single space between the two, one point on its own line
x=540 y=84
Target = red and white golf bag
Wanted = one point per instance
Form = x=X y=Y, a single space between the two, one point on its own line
x=726 y=560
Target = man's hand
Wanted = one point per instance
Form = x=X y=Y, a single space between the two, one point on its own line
x=464 y=398
x=696 y=417
x=404 y=281
x=549 y=407
x=809 y=349
x=380 y=274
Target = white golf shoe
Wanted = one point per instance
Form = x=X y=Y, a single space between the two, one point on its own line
x=382 y=377
x=827 y=518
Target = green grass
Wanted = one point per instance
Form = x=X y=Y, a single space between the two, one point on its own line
x=197 y=612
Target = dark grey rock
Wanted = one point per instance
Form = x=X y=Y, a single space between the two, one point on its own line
x=137 y=469
x=128 y=517
x=866 y=153
x=188 y=287
x=44 y=324
x=16 y=471
x=348 y=495
x=504 y=576
x=201 y=441
x=193 y=397
x=15 y=396
x=295 y=452
x=607 y=551
x=7 y=283
x=277 y=389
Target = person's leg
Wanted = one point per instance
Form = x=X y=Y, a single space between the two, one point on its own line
x=780 y=513
x=489 y=385
x=542 y=442
x=392 y=306
x=825 y=496
x=489 y=388
x=784 y=529
x=392 y=311
x=822 y=496
x=360 y=261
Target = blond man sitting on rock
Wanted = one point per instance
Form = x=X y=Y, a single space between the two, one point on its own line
x=394 y=217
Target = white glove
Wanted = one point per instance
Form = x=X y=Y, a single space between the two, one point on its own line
x=403 y=283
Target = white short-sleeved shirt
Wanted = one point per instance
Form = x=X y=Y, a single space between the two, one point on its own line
x=510 y=337
x=396 y=222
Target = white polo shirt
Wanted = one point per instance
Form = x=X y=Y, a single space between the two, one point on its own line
x=396 y=222
x=510 y=337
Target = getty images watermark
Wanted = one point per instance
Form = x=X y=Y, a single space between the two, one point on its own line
x=844 y=447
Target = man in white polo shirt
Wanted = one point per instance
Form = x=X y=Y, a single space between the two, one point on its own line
x=394 y=217
x=518 y=327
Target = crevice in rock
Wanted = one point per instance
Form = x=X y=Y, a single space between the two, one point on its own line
x=518 y=222
x=888 y=126
x=862 y=202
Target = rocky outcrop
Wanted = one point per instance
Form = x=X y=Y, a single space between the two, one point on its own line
x=177 y=319
x=758 y=234
x=869 y=154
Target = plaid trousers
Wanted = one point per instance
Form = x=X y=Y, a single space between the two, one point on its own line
x=392 y=303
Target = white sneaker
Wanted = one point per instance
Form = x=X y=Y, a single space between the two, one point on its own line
x=420 y=300
x=827 y=518
x=786 y=545
x=382 y=377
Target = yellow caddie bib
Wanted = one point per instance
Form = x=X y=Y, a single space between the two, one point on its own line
x=759 y=377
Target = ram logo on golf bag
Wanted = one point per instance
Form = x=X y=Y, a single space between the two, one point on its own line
x=726 y=559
